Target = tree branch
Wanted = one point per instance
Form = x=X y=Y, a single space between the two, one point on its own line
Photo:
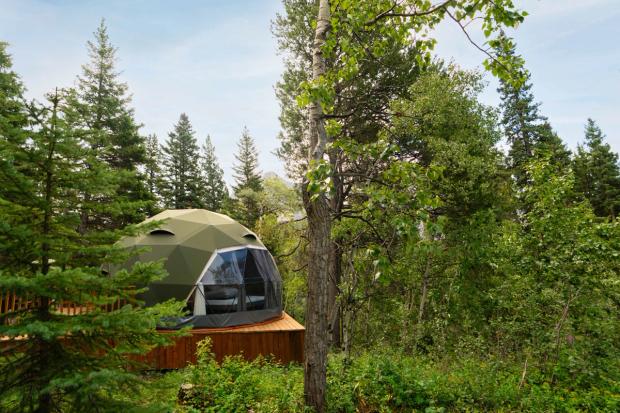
x=390 y=13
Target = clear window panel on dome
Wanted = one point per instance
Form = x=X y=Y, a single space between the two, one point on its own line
x=226 y=268
x=268 y=271
x=255 y=284
x=244 y=279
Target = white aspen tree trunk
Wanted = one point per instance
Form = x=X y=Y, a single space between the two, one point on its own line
x=319 y=231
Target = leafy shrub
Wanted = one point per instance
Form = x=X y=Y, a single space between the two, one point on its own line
x=237 y=385
x=387 y=382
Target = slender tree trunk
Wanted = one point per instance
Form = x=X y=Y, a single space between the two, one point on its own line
x=424 y=293
x=334 y=308
x=45 y=400
x=335 y=257
x=319 y=231
x=406 y=332
x=316 y=339
x=348 y=321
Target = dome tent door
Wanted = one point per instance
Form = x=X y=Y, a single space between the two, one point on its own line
x=238 y=279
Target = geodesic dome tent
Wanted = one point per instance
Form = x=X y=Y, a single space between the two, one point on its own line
x=219 y=267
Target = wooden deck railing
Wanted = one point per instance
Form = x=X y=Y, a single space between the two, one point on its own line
x=11 y=303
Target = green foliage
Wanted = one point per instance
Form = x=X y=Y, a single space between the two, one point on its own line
x=319 y=179
x=153 y=172
x=444 y=125
x=214 y=189
x=362 y=102
x=12 y=110
x=248 y=183
x=98 y=110
x=51 y=179
x=529 y=134
x=282 y=231
x=247 y=175
x=380 y=382
x=179 y=176
x=597 y=173
x=182 y=183
x=158 y=393
x=415 y=246
x=383 y=381
x=390 y=24
x=280 y=198
x=558 y=301
x=238 y=386
x=76 y=362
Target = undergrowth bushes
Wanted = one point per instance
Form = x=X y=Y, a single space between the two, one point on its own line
x=385 y=383
x=237 y=385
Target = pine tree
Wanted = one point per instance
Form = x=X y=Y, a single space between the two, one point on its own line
x=247 y=175
x=50 y=361
x=153 y=171
x=12 y=110
x=13 y=121
x=215 y=191
x=551 y=146
x=183 y=186
x=597 y=174
x=528 y=132
x=101 y=111
x=248 y=182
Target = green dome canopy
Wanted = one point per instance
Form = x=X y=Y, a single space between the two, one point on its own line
x=215 y=264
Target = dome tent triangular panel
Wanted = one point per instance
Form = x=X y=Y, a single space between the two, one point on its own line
x=216 y=238
x=195 y=243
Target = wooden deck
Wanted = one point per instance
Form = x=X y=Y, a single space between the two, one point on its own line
x=282 y=338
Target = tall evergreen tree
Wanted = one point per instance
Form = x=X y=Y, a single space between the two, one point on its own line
x=528 y=132
x=551 y=145
x=597 y=174
x=50 y=361
x=12 y=110
x=248 y=182
x=13 y=122
x=183 y=186
x=101 y=111
x=246 y=170
x=215 y=191
x=153 y=171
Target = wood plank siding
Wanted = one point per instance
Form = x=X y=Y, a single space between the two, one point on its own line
x=282 y=338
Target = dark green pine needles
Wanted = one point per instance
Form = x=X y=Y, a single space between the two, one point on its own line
x=52 y=177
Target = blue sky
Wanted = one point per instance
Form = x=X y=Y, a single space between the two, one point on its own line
x=217 y=61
